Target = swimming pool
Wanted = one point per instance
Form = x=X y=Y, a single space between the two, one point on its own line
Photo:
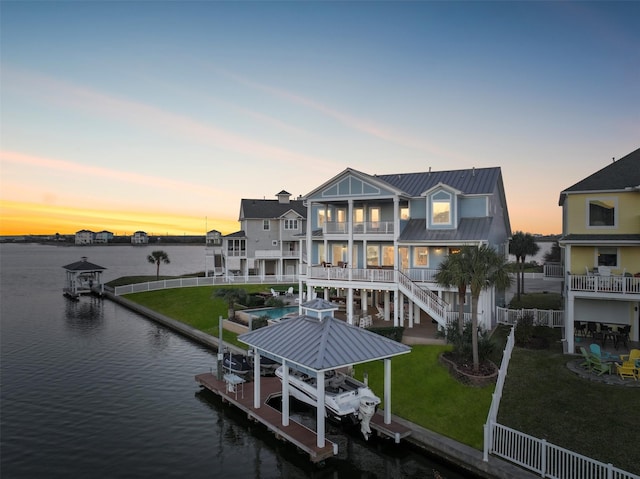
x=271 y=313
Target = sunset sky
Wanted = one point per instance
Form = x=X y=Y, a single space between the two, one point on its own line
x=161 y=116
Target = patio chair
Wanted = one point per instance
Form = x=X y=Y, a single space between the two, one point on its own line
x=580 y=328
x=632 y=359
x=592 y=329
x=289 y=292
x=600 y=354
x=274 y=293
x=599 y=366
x=380 y=313
x=626 y=370
x=587 y=359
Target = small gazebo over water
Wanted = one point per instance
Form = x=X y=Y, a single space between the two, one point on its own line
x=82 y=278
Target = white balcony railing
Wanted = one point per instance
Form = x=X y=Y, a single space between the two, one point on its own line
x=553 y=270
x=360 y=228
x=352 y=274
x=275 y=253
x=421 y=275
x=604 y=284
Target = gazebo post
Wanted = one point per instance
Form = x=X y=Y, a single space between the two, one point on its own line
x=387 y=391
x=285 y=393
x=256 y=375
x=320 y=411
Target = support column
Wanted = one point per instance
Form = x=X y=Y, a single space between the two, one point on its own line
x=256 y=381
x=320 y=409
x=387 y=305
x=285 y=393
x=568 y=324
x=363 y=301
x=387 y=391
x=349 y=305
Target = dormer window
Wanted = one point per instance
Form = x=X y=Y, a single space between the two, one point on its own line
x=441 y=208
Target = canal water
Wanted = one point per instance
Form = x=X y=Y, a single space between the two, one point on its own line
x=90 y=389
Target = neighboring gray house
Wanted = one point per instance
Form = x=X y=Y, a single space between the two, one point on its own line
x=377 y=240
x=269 y=242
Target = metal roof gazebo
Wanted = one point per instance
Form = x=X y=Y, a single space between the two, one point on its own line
x=316 y=342
x=81 y=278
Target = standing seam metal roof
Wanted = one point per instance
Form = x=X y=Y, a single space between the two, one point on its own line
x=322 y=345
x=469 y=182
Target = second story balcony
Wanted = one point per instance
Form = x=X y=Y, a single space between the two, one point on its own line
x=614 y=285
x=359 y=228
x=276 y=254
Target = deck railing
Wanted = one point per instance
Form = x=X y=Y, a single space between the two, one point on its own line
x=542 y=317
x=363 y=227
x=604 y=284
x=203 y=281
x=553 y=270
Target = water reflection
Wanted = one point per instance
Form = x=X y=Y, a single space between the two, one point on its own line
x=85 y=316
x=357 y=458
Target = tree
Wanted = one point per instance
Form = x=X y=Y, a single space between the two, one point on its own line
x=231 y=296
x=488 y=269
x=477 y=268
x=157 y=257
x=553 y=255
x=521 y=246
x=452 y=274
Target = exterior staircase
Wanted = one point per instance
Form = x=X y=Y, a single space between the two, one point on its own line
x=428 y=301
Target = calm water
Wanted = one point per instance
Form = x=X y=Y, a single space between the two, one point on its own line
x=90 y=389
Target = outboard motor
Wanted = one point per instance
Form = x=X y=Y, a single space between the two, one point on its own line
x=366 y=410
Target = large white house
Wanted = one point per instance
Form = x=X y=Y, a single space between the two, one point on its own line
x=377 y=240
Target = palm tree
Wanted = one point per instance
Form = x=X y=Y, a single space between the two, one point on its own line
x=477 y=268
x=487 y=268
x=231 y=296
x=157 y=257
x=521 y=246
x=451 y=274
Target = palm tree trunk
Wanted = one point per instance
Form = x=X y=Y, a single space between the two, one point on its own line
x=474 y=332
x=461 y=296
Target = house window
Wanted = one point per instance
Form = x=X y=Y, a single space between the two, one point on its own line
x=602 y=212
x=608 y=257
x=421 y=256
x=373 y=255
x=441 y=212
x=266 y=225
x=387 y=256
x=358 y=220
x=374 y=216
x=404 y=213
x=290 y=224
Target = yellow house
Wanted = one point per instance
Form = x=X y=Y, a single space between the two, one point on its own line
x=601 y=250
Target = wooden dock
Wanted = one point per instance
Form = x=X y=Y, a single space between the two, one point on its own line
x=297 y=434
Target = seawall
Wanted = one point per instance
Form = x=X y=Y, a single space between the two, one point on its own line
x=460 y=455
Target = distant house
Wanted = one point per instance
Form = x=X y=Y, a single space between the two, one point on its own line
x=214 y=260
x=269 y=243
x=103 y=237
x=601 y=248
x=139 y=238
x=84 y=237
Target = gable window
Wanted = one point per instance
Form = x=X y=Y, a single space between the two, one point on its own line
x=266 y=225
x=608 y=257
x=602 y=212
x=441 y=208
x=441 y=212
x=291 y=224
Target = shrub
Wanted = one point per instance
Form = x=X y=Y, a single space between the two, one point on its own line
x=257 y=323
x=391 y=332
x=524 y=330
x=462 y=346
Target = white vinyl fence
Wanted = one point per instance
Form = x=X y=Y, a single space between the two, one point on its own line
x=541 y=317
x=535 y=454
x=203 y=281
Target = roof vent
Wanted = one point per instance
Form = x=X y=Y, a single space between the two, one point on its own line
x=473 y=171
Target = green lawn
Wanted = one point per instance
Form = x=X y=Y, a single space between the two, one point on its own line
x=541 y=397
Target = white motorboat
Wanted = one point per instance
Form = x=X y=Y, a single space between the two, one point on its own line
x=345 y=398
